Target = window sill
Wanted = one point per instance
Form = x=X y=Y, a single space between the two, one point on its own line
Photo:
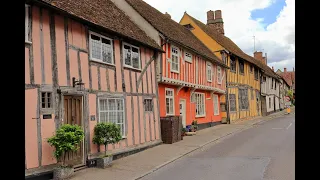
x=200 y=116
x=210 y=81
x=177 y=72
x=219 y=83
x=216 y=114
x=169 y=114
x=27 y=42
x=131 y=68
x=99 y=61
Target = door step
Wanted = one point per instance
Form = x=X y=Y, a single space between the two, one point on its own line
x=78 y=168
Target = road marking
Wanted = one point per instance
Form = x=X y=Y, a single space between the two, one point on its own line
x=289 y=126
x=276 y=128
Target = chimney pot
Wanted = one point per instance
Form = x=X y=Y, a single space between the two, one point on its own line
x=285 y=70
x=272 y=68
x=218 y=14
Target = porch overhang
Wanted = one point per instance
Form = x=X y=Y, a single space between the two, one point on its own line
x=181 y=84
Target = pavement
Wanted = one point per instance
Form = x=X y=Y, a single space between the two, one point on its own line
x=156 y=162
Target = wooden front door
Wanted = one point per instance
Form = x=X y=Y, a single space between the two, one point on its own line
x=73 y=116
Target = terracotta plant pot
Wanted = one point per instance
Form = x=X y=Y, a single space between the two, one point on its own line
x=62 y=173
x=104 y=162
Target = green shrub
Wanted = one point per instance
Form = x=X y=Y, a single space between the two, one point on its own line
x=106 y=133
x=66 y=139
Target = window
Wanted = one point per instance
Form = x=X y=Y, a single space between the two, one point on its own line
x=209 y=72
x=169 y=102
x=188 y=57
x=243 y=98
x=252 y=96
x=224 y=58
x=219 y=75
x=46 y=100
x=223 y=107
x=269 y=102
x=200 y=107
x=112 y=110
x=148 y=105
x=193 y=98
x=264 y=79
x=251 y=69
x=241 y=66
x=232 y=100
x=256 y=75
x=26 y=21
x=101 y=48
x=271 y=83
x=215 y=105
x=233 y=64
x=174 y=59
x=275 y=85
x=131 y=55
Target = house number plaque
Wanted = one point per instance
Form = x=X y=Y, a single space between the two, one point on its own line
x=92 y=117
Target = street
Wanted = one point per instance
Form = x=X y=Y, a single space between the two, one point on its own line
x=264 y=152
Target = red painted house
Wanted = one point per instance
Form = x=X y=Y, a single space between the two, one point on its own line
x=191 y=78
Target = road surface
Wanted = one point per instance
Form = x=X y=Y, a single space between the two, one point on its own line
x=264 y=152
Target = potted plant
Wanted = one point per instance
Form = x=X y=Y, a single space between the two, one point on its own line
x=66 y=140
x=195 y=125
x=183 y=132
x=106 y=133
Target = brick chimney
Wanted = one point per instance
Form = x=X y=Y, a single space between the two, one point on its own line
x=168 y=15
x=258 y=55
x=285 y=70
x=215 y=21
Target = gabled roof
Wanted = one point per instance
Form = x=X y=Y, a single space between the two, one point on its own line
x=106 y=14
x=228 y=44
x=173 y=30
x=289 y=77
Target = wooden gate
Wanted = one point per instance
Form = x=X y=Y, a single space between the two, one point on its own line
x=73 y=115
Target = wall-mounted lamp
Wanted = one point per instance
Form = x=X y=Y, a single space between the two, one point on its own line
x=77 y=83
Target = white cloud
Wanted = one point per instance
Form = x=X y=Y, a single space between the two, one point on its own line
x=277 y=39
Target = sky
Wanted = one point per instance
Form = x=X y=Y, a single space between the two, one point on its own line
x=267 y=25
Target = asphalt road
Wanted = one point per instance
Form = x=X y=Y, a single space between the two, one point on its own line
x=263 y=152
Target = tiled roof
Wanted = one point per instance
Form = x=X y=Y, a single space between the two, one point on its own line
x=232 y=47
x=106 y=14
x=289 y=77
x=172 y=30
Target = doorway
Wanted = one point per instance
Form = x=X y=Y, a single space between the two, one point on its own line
x=183 y=112
x=73 y=116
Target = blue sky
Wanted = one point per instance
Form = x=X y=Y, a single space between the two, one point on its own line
x=270 y=13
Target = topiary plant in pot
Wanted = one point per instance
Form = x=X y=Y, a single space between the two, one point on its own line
x=65 y=141
x=106 y=133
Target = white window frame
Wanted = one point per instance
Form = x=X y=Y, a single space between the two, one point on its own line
x=175 y=54
x=211 y=72
x=124 y=135
x=170 y=97
x=197 y=104
x=216 y=105
x=26 y=24
x=187 y=58
x=90 y=48
x=219 y=75
x=124 y=63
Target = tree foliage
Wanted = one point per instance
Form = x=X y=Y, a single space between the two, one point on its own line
x=106 y=133
x=66 y=139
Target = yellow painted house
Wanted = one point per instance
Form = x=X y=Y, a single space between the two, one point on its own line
x=243 y=77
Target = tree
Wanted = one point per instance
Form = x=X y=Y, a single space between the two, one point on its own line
x=66 y=140
x=290 y=94
x=106 y=133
